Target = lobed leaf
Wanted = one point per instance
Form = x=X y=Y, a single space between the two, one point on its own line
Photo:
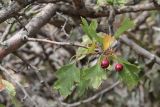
x=129 y=75
x=67 y=76
x=126 y=24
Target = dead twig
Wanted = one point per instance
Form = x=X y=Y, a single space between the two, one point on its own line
x=56 y=43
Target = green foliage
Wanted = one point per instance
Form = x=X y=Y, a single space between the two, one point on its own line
x=16 y=102
x=82 y=52
x=111 y=2
x=126 y=24
x=70 y=74
x=129 y=75
x=67 y=76
x=83 y=84
x=81 y=79
x=95 y=75
x=91 y=77
x=9 y=87
x=1 y=105
x=90 y=30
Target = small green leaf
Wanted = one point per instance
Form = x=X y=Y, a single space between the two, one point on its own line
x=9 y=87
x=83 y=84
x=90 y=30
x=85 y=27
x=67 y=76
x=90 y=77
x=96 y=75
x=129 y=75
x=126 y=24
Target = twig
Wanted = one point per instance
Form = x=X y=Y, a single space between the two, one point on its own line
x=40 y=77
x=12 y=9
x=26 y=95
x=137 y=8
x=7 y=30
x=21 y=24
x=111 y=19
x=93 y=97
x=140 y=50
x=56 y=43
x=65 y=23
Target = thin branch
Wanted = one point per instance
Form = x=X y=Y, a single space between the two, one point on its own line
x=137 y=8
x=90 y=12
x=65 y=23
x=40 y=77
x=17 y=40
x=26 y=95
x=6 y=32
x=56 y=43
x=140 y=50
x=93 y=97
x=21 y=24
x=12 y=9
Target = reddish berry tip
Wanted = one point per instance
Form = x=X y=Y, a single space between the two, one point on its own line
x=104 y=63
x=118 y=67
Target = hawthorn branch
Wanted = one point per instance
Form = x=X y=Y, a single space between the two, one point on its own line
x=56 y=43
x=6 y=32
x=90 y=12
x=93 y=97
x=12 y=10
x=137 y=8
x=65 y=23
x=40 y=77
x=17 y=40
x=26 y=95
x=141 y=51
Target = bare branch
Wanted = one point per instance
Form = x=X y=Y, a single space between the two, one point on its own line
x=6 y=32
x=56 y=43
x=140 y=50
x=26 y=95
x=33 y=26
x=93 y=97
x=11 y=10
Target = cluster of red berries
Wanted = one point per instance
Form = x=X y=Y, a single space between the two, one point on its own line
x=105 y=64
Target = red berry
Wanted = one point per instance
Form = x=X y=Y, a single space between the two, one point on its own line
x=119 y=67
x=104 y=63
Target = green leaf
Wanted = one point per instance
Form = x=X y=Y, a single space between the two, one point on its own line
x=1 y=105
x=85 y=27
x=90 y=77
x=111 y=2
x=96 y=75
x=126 y=24
x=129 y=75
x=67 y=76
x=9 y=87
x=90 y=29
x=82 y=52
x=83 y=84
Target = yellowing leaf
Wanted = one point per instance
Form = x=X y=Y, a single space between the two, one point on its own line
x=92 y=47
x=1 y=84
x=9 y=87
x=107 y=41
